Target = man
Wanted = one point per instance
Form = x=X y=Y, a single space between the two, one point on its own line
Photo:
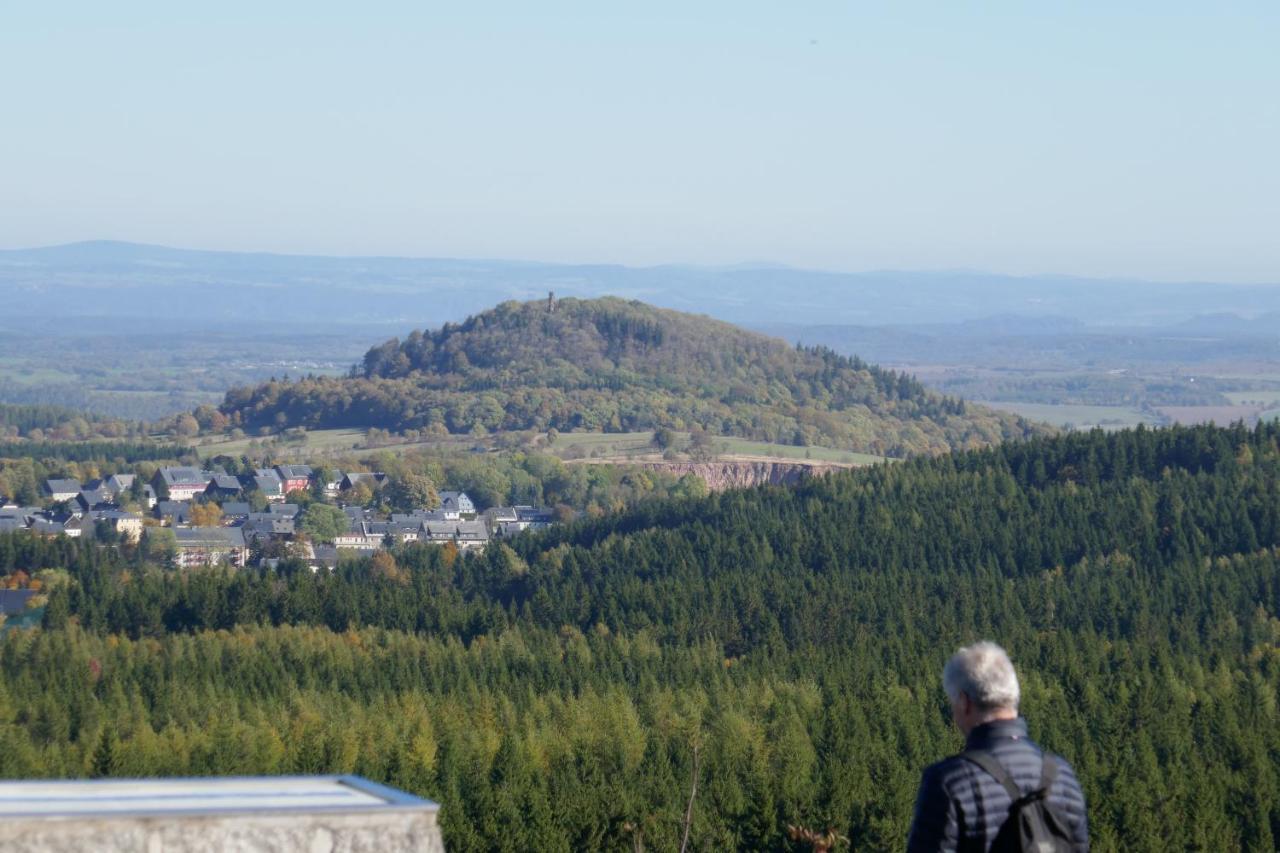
x=961 y=805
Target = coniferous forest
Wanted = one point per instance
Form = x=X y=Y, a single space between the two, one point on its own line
x=778 y=649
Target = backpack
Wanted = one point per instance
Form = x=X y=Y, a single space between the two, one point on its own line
x=1033 y=824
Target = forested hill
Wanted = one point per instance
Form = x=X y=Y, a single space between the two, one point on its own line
x=612 y=365
x=781 y=646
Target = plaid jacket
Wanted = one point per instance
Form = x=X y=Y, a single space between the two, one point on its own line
x=960 y=806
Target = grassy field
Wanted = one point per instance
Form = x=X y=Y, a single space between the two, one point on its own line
x=1077 y=417
x=743 y=447
x=25 y=371
x=1220 y=415
x=1246 y=398
x=589 y=446
x=314 y=442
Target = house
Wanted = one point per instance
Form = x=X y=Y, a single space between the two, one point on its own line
x=47 y=526
x=267 y=525
x=23 y=514
x=12 y=524
x=269 y=483
x=323 y=557
x=357 y=513
x=285 y=510
x=210 y=546
x=181 y=483
x=97 y=498
x=127 y=525
x=223 y=487
x=333 y=485
x=173 y=513
x=118 y=483
x=294 y=477
x=456 y=504
x=464 y=534
x=418 y=516
x=61 y=490
x=359 y=536
x=534 y=517
x=235 y=510
x=508 y=521
x=373 y=479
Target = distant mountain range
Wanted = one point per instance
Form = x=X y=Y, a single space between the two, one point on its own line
x=83 y=284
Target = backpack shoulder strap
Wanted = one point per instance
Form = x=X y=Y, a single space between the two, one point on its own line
x=989 y=763
x=1048 y=771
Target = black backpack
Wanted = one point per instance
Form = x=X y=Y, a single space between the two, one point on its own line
x=1033 y=824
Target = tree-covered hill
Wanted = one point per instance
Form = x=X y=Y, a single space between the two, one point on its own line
x=612 y=365
x=780 y=645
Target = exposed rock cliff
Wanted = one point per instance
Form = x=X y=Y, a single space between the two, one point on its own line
x=732 y=475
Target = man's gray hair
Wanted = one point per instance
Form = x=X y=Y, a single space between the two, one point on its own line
x=984 y=673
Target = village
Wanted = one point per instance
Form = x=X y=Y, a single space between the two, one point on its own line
x=198 y=517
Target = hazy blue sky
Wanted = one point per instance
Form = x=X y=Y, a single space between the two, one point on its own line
x=1137 y=139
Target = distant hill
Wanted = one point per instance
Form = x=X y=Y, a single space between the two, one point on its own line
x=97 y=282
x=614 y=365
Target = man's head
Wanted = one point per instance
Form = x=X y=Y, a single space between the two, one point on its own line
x=981 y=684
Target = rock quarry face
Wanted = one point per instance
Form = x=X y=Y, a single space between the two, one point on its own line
x=736 y=475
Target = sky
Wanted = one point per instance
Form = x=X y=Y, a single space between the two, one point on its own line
x=1100 y=139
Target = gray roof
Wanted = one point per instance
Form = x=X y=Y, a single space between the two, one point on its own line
x=534 y=514
x=113 y=515
x=185 y=476
x=179 y=510
x=225 y=482
x=90 y=498
x=418 y=516
x=259 y=523
x=61 y=486
x=210 y=537
x=119 y=482
x=294 y=472
x=287 y=510
x=267 y=480
x=472 y=531
x=236 y=508
x=9 y=524
x=371 y=477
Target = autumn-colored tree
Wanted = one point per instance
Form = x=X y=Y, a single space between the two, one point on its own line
x=383 y=565
x=206 y=515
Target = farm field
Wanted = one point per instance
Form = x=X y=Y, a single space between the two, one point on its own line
x=1077 y=416
x=25 y=371
x=585 y=446
x=1220 y=415
x=314 y=442
x=1266 y=397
